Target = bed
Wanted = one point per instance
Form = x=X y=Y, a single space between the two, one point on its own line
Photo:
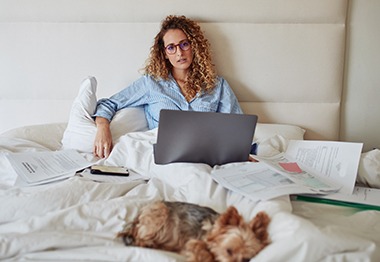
x=285 y=64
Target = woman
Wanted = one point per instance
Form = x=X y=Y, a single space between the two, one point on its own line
x=179 y=75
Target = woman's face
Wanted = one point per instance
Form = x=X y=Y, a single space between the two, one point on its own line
x=178 y=49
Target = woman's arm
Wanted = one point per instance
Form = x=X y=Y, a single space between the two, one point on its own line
x=228 y=102
x=134 y=95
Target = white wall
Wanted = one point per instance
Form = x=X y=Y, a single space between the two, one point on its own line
x=284 y=59
x=361 y=97
x=361 y=94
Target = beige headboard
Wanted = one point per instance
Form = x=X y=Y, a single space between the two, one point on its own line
x=283 y=59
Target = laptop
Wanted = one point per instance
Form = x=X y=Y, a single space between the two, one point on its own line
x=203 y=137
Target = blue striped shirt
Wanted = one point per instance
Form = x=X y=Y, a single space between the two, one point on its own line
x=154 y=95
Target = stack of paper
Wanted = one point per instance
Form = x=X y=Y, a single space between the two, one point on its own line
x=36 y=168
x=307 y=167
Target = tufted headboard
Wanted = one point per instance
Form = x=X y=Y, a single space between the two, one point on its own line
x=283 y=59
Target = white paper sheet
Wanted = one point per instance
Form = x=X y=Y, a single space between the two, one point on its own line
x=257 y=181
x=318 y=167
x=336 y=161
x=43 y=167
x=301 y=178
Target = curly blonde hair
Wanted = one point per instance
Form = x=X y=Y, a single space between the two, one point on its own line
x=202 y=74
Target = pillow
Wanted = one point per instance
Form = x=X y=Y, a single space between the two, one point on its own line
x=290 y=132
x=47 y=135
x=81 y=129
x=369 y=169
x=273 y=139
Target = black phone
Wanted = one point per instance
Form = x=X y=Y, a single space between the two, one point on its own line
x=109 y=170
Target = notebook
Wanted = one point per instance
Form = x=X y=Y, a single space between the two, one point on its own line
x=203 y=137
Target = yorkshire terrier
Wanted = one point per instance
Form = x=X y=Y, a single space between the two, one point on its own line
x=199 y=233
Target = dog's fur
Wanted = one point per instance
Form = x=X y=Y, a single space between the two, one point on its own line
x=199 y=233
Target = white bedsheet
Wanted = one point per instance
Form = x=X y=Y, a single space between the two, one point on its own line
x=77 y=219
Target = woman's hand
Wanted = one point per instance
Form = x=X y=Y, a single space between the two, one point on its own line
x=103 y=138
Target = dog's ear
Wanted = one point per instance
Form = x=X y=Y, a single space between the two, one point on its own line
x=259 y=225
x=230 y=217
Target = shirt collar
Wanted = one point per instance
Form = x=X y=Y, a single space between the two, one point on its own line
x=176 y=86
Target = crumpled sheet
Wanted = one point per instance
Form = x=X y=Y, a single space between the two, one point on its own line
x=77 y=219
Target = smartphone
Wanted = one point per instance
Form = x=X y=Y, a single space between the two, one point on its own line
x=109 y=170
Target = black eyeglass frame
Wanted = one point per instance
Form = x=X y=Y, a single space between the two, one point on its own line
x=184 y=45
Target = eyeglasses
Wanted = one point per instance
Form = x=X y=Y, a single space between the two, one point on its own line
x=171 y=49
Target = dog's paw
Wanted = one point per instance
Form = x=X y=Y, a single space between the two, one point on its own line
x=197 y=251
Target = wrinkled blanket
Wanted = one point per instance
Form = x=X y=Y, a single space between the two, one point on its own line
x=78 y=219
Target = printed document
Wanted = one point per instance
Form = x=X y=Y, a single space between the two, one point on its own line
x=257 y=181
x=290 y=169
x=337 y=162
x=317 y=167
x=43 y=167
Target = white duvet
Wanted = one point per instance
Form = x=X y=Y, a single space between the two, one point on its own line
x=77 y=219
